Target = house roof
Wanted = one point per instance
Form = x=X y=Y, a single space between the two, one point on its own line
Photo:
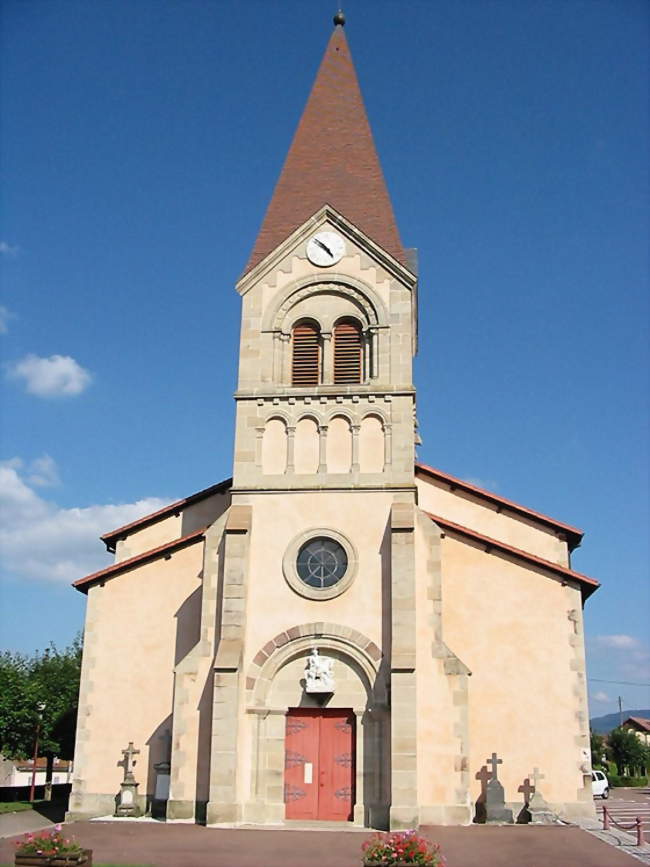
x=113 y=536
x=332 y=161
x=41 y=764
x=587 y=585
x=125 y=565
x=641 y=722
x=573 y=534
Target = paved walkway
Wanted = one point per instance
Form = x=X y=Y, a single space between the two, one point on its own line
x=180 y=845
x=624 y=805
x=31 y=820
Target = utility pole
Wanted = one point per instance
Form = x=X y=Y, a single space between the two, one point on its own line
x=40 y=707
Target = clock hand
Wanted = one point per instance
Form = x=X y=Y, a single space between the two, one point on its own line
x=324 y=246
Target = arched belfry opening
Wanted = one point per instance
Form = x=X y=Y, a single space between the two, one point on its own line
x=348 y=352
x=305 y=354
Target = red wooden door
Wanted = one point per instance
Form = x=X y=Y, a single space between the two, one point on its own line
x=319 y=764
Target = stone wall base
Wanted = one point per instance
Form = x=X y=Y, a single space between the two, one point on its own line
x=403 y=818
x=218 y=813
x=446 y=814
x=89 y=805
x=181 y=810
x=575 y=810
x=259 y=813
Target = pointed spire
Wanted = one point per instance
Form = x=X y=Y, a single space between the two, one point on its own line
x=332 y=160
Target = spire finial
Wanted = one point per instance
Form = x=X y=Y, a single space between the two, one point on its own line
x=339 y=19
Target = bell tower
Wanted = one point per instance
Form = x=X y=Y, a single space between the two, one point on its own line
x=325 y=397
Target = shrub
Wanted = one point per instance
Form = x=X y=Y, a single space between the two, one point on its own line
x=401 y=847
x=633 y=782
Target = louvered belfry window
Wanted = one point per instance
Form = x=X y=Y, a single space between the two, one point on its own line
x=347 y=352
x=305 y=361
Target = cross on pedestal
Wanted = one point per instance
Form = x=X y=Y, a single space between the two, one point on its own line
x=526 y=789
x=537 y=776
x=494 y=762
x=127 y=762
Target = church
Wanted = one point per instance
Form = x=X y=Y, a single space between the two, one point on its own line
x=339 y=632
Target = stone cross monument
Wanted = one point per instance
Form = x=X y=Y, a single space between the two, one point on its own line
x=127 y=800
x=495 y=805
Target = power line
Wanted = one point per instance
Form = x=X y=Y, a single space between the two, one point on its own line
x=621 y=682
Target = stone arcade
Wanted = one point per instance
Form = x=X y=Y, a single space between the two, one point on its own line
x=338 y=632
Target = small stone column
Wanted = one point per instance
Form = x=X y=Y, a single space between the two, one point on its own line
x=355 y=447
x=361 y=787
x=284 y=365
x=259 y=436
x=373 y=351
x=322 y=448
x=291 y=441
x=327 y=357
x=388 y=446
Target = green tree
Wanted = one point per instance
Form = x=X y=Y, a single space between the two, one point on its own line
x=18 y=713
x=627 y=751
x=41 y=691
x=597 y=749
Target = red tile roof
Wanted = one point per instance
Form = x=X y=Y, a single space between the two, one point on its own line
x=573 y=534
x=639 y=721
x=153 y=554
x=112 y=537
x=587 y=585
x=332 y=161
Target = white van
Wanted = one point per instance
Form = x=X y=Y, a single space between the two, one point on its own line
x=599 y=784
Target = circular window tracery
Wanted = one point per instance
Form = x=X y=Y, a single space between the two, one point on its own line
x=320 y=564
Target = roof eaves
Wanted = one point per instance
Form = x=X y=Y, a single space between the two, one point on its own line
x=588 y=585
x=138 y=560
x=640 y=721
x=111 y=537
x=573 y=534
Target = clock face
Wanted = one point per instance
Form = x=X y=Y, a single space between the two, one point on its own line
x=325 y=248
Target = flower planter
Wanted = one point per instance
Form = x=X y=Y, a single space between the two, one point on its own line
x=393 y=864
x=85 y=858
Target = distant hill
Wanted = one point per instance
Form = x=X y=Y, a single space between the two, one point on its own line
x=604 y=724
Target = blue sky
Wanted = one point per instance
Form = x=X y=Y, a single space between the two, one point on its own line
x=140 y=147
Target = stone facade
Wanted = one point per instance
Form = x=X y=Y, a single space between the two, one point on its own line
x=455 y=627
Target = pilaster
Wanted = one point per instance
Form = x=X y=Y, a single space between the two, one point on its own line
x=223 y=804
x=404 y=802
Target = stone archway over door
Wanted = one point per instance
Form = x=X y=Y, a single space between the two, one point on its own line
x=275 y=689
x=319 y=764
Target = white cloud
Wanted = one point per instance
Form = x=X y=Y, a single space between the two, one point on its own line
x=43 y=472
x=7 y=249
x=40 y=473
x=618 y=642
x=601 y=696
x=42 y=541
x=5 y=316
x=56 y=376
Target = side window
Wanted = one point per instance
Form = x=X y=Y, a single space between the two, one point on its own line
x=305 y=354
x=347 y=352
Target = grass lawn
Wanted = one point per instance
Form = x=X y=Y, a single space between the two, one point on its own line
x=16 y=806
